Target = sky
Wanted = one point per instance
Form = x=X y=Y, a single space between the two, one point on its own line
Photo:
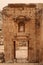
x=3 y=3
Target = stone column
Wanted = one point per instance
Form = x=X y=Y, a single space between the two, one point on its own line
x=7 y=30
x=41 y=40
x=38 y=33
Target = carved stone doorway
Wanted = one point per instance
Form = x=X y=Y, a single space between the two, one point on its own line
x=21 y=51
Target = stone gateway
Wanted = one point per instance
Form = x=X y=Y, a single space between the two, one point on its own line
x=22 y=32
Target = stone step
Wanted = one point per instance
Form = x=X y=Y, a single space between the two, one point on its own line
x=21 y=60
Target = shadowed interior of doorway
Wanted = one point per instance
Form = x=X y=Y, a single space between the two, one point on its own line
x=21 y=53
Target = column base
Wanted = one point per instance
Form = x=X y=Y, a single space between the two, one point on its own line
x=10 y=61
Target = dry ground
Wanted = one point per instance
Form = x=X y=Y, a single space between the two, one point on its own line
x=21 y=63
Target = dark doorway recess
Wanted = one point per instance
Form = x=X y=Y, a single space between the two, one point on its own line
x=14 y=50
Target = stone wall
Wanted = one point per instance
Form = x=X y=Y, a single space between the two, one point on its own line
x=11 y=14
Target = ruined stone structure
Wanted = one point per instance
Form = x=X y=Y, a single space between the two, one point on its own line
x=22 y=32
x=1 y=34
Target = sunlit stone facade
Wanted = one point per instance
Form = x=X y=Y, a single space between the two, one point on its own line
x=22 y=32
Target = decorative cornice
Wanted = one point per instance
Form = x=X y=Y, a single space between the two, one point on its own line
x=22 y=5
x=21 y=18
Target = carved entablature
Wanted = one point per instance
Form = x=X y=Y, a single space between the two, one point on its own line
x=21 y=19
x=19 y=11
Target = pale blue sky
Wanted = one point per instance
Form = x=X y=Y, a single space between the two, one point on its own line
x=5 y=2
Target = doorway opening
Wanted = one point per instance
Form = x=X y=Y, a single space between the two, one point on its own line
x=21 y=50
